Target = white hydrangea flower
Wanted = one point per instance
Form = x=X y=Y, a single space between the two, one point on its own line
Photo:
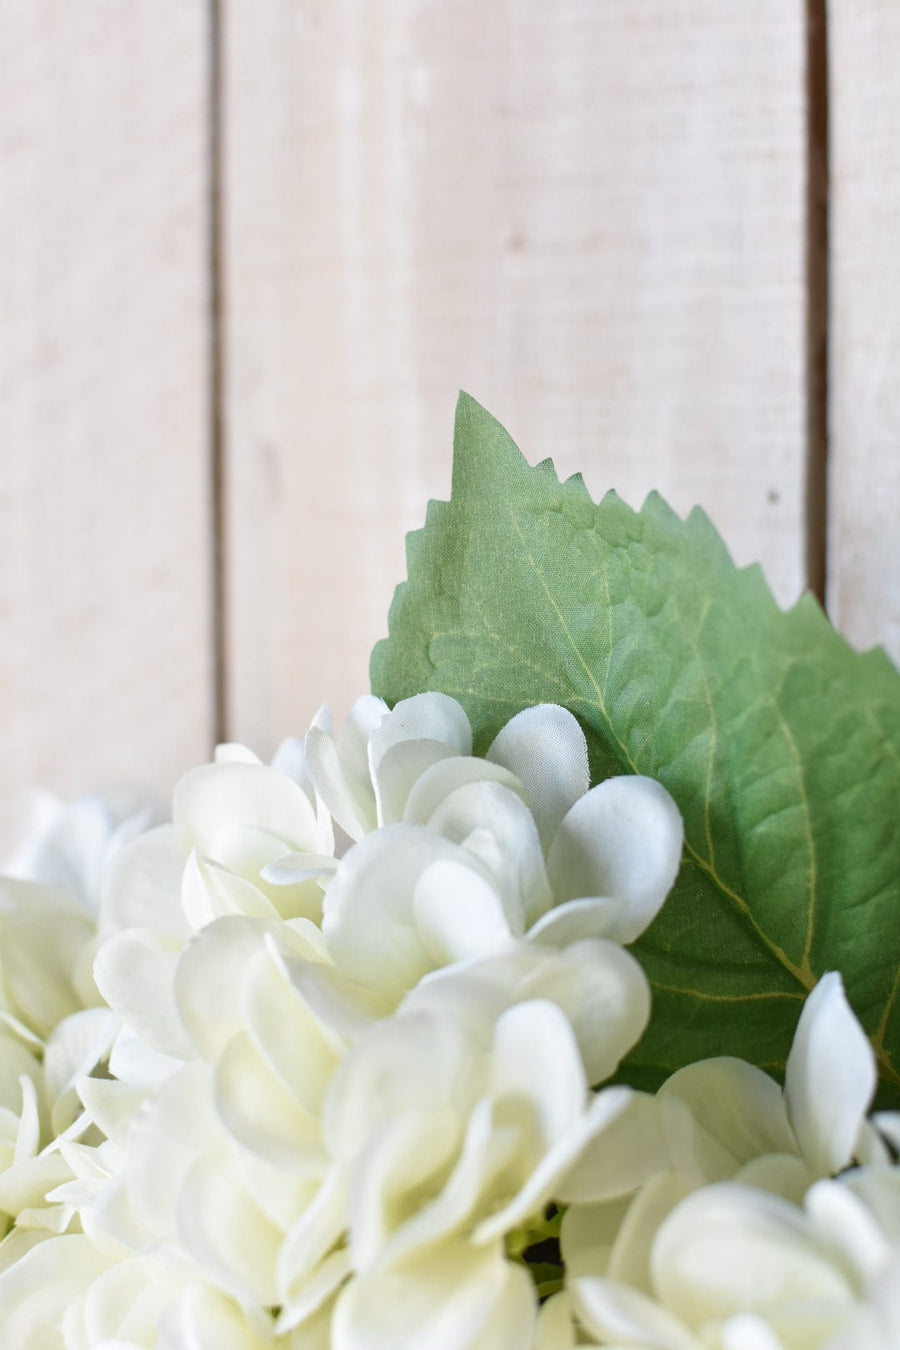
x=282 y=1155
x=232 y=819
x=733 y=1267
x=49 y=897
x=776 y=1258
x=738 y=1122
x=69 y=1295
x=51 y=1034
x=472 y=854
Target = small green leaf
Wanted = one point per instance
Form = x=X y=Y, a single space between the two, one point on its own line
x=780 y=745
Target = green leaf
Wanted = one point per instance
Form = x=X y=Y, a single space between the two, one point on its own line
x=780 y=745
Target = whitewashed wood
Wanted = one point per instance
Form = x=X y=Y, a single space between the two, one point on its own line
x=105 y=669
x=864 y=563
x=588 y=214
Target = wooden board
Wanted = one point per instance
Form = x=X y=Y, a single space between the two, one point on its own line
x=105 y=551
x=864 y=334
x=589 y=214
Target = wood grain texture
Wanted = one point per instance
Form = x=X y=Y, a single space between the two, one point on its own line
x=864 y=331
x=105 y=671
x=589 y=215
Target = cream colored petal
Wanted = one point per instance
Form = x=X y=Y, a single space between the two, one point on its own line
x=209 y=977
x=368 y=918
x=729 y=1249
x=493 y=824
x=618 y=1315
x=735 y=1104
x=402 y=1063
x=623 y=839
x=225 y=1232
x=459 y=915
x=135 y=972
x=545 y=748
x=603 y=992
x=450 y=1298
x=407 y=1157
x=424 y=717
x=142 y=886
x=399 y=770
x=616 y=1159
x=259 y=1111
x=830 y=1078
x=216 y=795
x=445 y=776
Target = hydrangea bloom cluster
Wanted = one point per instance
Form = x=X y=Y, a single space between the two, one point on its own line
x=322 y=1063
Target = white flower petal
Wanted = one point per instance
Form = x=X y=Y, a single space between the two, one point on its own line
x=36 y=1289
x=368 y=917
x=247 y=852
x=343 y=1009
x=205 y=1320
x=111 y=1106
x=142 y=886
x=623 y=1316
x=168 y=1134
x=603 y=992
x=309 y=1297
x=458 y=914
x=367 y=713
x=452 y=1297
x=830 y=1078
x=779 y=1173
x=575 y=920
x=535 y=1058
x=15 y=1063
x=402 y=1063
x=729 y=1249
x=424 y=717
x=312 y=1235
x=587 y=1234
x=545 y=748
x=879 y=1190
x=232 y=752
x=550 y=1177
x=618 y=1158
x=445 y=776
x=629 y=1261
x=294 y=868
x=258 y=1110
x=209 y=972
x=216 y=795
x=747 y=1332
x=210 y=891
x=623 y=839
x=736 y=1105
x=77 y=1046
x=407 y=1157
x=135 y=970
x=399 y=770
x=494 y=825
x=555 y=1328
x=134 y=1062
x=226 y=1233
x=490 y=1150
x=351 y=803
x=840 y=1216
x=42 y=954
x=287 y=1033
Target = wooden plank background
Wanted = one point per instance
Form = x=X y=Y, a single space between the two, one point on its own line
x=105 y=559
x=249 y=253
x=864 y=496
